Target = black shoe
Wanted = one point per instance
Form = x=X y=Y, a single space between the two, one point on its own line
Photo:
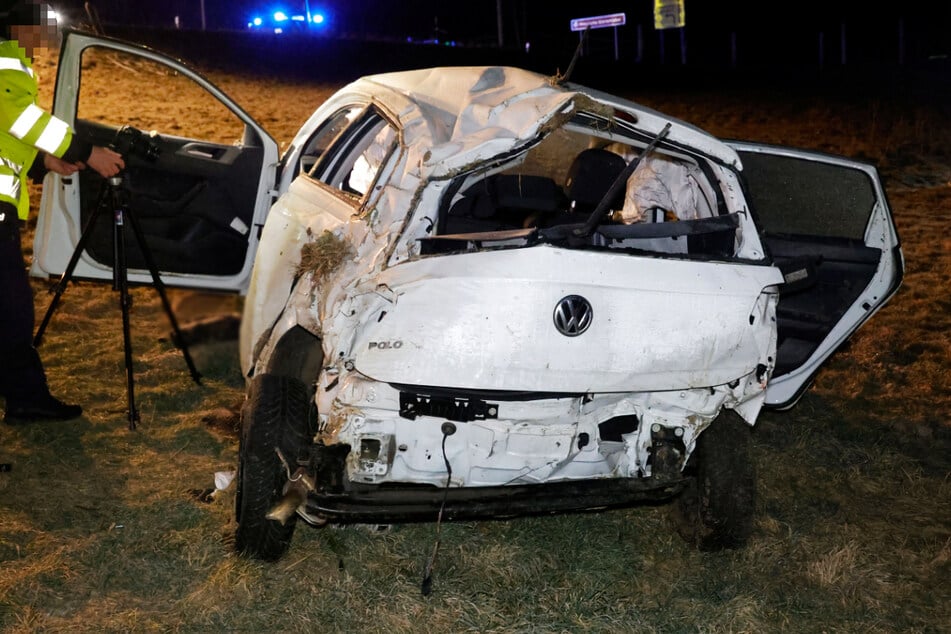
x=48 y=408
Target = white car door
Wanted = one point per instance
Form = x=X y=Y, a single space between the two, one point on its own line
x=826 y=222
x=198 y=192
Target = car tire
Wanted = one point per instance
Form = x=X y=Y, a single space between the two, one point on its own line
x=274 y=416
x=716 y=510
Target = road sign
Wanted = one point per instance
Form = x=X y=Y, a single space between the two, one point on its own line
x=599 y=21
x=669 y=14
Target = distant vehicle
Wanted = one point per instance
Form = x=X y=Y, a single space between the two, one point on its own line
x=279 y=21
x=484 y=292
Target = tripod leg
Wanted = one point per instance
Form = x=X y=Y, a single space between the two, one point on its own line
x=68 y=273
x=160 y=287
x=120 y=279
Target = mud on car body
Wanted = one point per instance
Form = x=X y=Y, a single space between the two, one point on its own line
x=483 y=292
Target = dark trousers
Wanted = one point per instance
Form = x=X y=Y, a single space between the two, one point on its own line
x=22 y=378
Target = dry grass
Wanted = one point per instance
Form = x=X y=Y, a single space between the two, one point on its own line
x=106 y=530
x=323 y=255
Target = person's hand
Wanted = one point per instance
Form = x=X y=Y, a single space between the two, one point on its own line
x=106 y=162
x=59 y=166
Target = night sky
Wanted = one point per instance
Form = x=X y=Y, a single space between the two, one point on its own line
x=874 y=32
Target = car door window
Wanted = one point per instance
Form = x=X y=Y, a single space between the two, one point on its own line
x=368 y=162
x=193 y=166
x=159 y=99
x=796 y=196
x=355 y=156
x=330 y=129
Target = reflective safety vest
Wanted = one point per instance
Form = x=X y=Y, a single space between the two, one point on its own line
x=25 y=128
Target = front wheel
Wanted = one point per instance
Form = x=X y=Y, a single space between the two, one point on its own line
x=716 y=510
x=274 y=416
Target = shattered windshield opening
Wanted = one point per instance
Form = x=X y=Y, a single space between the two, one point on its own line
x=549 y=193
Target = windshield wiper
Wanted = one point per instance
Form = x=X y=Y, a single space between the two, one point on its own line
x=600 y=211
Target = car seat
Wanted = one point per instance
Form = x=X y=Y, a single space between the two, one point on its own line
x=590 y=177
x=503 y=201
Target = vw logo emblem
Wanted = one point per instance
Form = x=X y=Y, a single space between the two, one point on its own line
x=573 y=315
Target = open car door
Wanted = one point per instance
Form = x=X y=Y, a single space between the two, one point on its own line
x=827 y=224
x=199 y=174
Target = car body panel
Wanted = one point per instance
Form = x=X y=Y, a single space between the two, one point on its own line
x=490 y=323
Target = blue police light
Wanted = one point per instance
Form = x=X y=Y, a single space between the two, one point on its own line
x=278 y=20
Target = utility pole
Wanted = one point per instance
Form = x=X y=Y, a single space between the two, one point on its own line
x=498 y=13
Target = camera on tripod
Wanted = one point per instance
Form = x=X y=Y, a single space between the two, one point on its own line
x=130 y=141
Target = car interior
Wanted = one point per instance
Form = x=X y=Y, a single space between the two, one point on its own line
x=557 y=185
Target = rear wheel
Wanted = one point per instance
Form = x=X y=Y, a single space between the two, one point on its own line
x=274 y=416
x=716 y=511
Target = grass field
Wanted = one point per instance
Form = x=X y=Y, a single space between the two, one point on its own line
x=103 y=529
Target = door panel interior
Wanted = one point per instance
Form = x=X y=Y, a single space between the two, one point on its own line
x=194 y=202
x=838 y=270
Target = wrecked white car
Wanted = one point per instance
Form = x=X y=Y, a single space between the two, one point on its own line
x=492 y=294
x=484 y=292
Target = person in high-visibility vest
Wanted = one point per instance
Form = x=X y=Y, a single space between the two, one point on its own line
x=32 y=142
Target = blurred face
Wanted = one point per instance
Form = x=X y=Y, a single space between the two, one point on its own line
x=34 y=38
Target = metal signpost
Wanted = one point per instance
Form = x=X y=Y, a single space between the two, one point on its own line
x=601 y=22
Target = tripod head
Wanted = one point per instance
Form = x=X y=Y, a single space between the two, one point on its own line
x=132 y=142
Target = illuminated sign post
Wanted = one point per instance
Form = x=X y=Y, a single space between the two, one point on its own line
x=601 y=22
x=668 y=14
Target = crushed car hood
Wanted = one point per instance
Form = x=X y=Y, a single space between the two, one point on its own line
x=486 y=321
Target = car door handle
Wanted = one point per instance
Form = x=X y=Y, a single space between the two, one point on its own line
x=205 y=152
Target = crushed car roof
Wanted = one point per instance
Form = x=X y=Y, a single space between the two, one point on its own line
x=466 y=114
